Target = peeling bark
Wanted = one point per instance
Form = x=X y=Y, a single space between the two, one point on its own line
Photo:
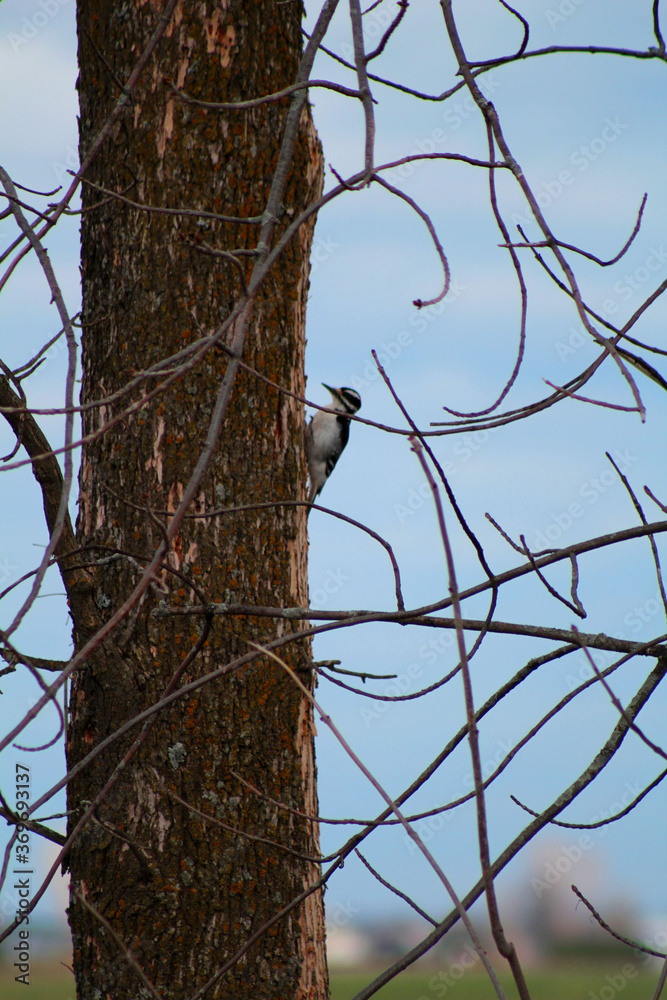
x=182 y=892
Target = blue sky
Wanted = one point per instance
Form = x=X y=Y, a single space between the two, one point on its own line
x=589 y=133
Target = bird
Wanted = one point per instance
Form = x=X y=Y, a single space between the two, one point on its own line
x=326 y=436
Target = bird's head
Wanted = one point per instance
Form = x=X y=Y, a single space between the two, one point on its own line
x=345 y=400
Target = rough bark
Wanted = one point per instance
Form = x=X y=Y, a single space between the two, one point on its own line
x=181 y=892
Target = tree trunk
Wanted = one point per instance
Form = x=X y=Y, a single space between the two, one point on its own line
x=181 y=891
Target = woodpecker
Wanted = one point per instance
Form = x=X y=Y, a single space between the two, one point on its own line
x=326 y=436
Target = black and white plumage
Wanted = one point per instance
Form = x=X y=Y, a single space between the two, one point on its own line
x=327 y=435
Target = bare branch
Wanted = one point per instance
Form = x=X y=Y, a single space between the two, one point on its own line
x=402 y=11
x=258 y=101
x=602 y=822
x=651 y=539
x=605 y=926
x=392 y=888
x=617 y=704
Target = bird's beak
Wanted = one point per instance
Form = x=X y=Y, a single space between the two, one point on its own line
x=335 y=393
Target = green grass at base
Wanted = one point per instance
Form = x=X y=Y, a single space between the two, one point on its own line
x=51 y=981
x=556 y=984
x=47 y=981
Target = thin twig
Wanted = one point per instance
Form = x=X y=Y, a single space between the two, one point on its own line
x=493 y=123
x=656 y=26
x=605 y=926
x=395 y=809
x=421 y=303
x=601 y=760
x=617 y=704
x=660 y=985
x=392 y=888
x=642 y=517
x=60 y=522
x=602 y=822
x=552 y=590
x=505 y=947
x=364 y=87
x=402 y=11
x=585 y=253
x=259 y=101
x=523 y=291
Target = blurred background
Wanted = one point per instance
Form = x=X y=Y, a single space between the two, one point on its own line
x=590 y=135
